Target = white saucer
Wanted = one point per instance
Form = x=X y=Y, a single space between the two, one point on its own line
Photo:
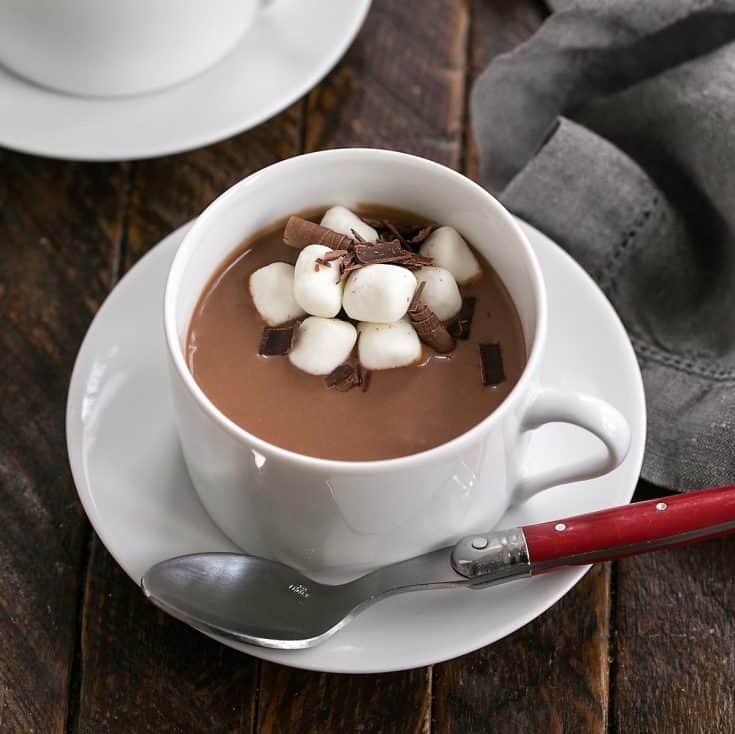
x=130 y=475
x=290 y=47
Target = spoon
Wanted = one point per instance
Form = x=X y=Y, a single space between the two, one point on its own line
x=266 y=603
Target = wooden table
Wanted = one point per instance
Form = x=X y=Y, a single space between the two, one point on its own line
x=645 y=645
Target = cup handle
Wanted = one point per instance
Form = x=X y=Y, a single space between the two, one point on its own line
x=552 y=405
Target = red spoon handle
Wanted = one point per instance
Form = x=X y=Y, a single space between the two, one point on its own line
x=631 y=529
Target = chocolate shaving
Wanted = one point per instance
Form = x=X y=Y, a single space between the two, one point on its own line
x=408 y=230
x=350 y=268
x=346 y=376
x=328 y=257
x=276 y=341
x=430 y=330
x=357 y=236
x=394 y=231
x=409 y=235
x=421 y=235
x=389 y=251
x=382 y=251
x=461 y=326
x=301 y=232
x=367 y=376
x=338 y=375
x=492 y=364
x=333 y=255
x=343 y=378
x=417 y=296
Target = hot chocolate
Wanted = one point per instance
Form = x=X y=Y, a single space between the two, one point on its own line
x=390 y=335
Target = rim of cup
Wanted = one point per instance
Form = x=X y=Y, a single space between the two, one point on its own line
x=194 y=238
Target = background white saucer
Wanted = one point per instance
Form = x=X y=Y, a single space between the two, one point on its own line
x=290 y=47
x=130 y=476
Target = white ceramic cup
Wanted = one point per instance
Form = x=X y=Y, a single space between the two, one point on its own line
x=336 y=519
x=118 y=47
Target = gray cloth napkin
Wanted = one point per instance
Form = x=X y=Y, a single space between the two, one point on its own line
x=613 y=130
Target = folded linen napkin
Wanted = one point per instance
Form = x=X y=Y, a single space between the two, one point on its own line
x=613 y=130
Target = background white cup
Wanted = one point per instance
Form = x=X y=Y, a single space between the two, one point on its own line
x=338 y=519
x=118 y=47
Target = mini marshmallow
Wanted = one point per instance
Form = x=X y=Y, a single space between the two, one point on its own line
x=317 y=289
x=385 y=346
x=440 y=293
x=448 y=250
x=320 y=345
x=379 y=293
x=342 y=220
x=271 y=289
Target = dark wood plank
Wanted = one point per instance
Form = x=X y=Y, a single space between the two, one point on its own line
x=141 y=671
x=553 y=673
x=401 y=86
x=297 y=702
x=674 y=662
x=58 y=224
x=167 y=192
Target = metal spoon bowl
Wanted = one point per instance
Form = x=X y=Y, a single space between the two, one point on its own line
x=266 y=603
